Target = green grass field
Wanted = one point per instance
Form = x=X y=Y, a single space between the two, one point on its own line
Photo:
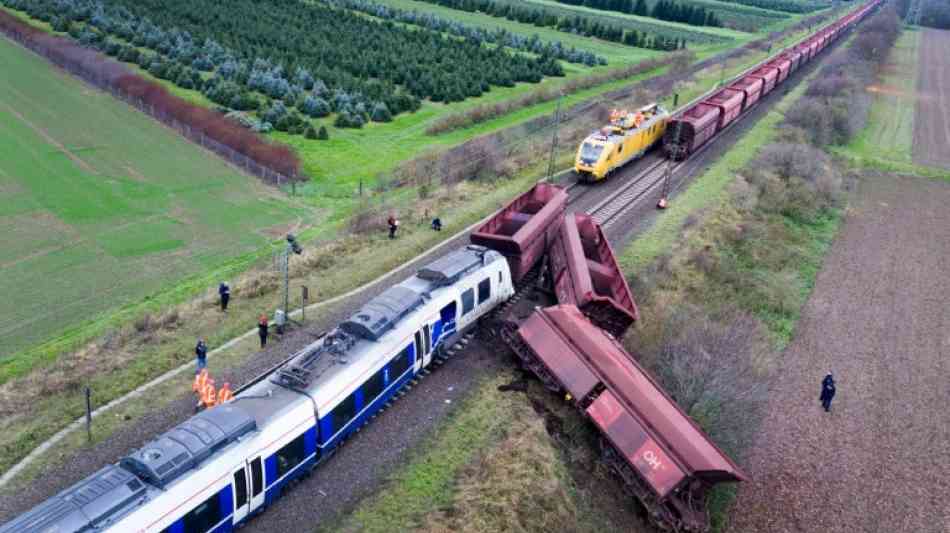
x=890 y=131
x=102 y=206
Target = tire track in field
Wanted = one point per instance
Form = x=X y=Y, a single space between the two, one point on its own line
x=49 y=139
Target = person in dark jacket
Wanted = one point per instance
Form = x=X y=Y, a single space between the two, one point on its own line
x=393 y=226
x=827 y=391
x=225 y=293
x=201 y=354
x=437 y=224
x=262 y=330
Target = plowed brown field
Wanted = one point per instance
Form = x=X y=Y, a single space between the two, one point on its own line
x=932 y=119
x=878 y=319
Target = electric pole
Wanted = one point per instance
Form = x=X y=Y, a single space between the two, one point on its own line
x=557 y=124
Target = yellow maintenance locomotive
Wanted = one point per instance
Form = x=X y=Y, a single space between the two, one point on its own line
x=627 y=137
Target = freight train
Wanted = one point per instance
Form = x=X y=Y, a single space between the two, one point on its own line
x=222 y=466
x=697 y=123
x=629 y=136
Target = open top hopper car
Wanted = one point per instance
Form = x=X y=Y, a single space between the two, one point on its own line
x=584 y=272
x=522 y=229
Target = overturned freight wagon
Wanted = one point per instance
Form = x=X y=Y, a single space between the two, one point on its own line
x=522 y=229
x=584 y=272
x=665 y=460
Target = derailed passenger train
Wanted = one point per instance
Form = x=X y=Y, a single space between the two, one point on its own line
x=212 y=472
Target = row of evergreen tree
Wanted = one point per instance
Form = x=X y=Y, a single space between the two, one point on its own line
x=669 y=10
x=577 y=24
x=319 y=59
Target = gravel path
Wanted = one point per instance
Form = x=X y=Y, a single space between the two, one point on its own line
x=932 y=117
x=879 y=319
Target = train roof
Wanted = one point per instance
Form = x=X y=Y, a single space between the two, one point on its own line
x=90 y=505
x=326 y=369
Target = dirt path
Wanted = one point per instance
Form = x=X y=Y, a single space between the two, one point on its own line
x=879 y=319
x=932 y=118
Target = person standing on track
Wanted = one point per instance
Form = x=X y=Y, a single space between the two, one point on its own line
x=827 y=391
x=201 y=355
x=262 y=330
x=225 y=293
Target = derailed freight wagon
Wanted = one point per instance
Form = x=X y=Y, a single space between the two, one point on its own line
x=690 y=129
x=662 y=457
x=522 y=230
x=584 y=272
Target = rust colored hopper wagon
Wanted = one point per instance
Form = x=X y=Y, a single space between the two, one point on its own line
x=689 y=130
x=751 y=87
x=769 y=76
x=584 y=272
x=729 y=102
x=521 y=231
x=659 y=453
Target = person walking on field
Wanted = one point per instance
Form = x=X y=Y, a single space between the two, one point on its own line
x=201 y=354
x=225 y=293
x=827 y=391
x=393 y=226
x=262 y=330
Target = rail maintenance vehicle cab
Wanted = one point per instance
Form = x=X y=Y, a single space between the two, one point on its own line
x=627 y=137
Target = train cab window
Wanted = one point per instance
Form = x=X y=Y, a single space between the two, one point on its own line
x=374 y=387
x=240 y=488
x=398 y=365
x=499 y=277
x=468 y=301
x=291 y=455
x=204 y=517
x=484 y=290
x=343 y=413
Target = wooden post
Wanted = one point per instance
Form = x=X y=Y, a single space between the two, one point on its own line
x=89 y=414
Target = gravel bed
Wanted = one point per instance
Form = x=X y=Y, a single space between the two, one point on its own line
x=878 y=319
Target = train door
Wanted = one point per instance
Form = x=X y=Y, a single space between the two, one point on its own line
x=256 y=471
x=240 y=494
x=423 y=346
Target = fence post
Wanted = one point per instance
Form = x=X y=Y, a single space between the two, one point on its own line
x=89 y=414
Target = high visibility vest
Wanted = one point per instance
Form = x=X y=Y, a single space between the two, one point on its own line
x=224 y=395
x=208 y=395
x=201 y=378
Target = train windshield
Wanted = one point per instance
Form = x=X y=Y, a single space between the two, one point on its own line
x=591 y=152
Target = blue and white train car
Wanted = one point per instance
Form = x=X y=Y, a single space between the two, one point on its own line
x=215 y=470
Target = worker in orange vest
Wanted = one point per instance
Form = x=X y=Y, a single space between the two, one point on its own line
x=225 y=394
x=200 y=379
x=208 y=394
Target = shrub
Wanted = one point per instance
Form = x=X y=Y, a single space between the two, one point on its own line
x=310 y=133
x=322 y=134
x=381 y=113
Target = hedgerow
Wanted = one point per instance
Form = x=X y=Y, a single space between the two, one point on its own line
x=288 y=50
x=670 y=10
x=575 y=24
x=788 y=6
x=501 y=37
